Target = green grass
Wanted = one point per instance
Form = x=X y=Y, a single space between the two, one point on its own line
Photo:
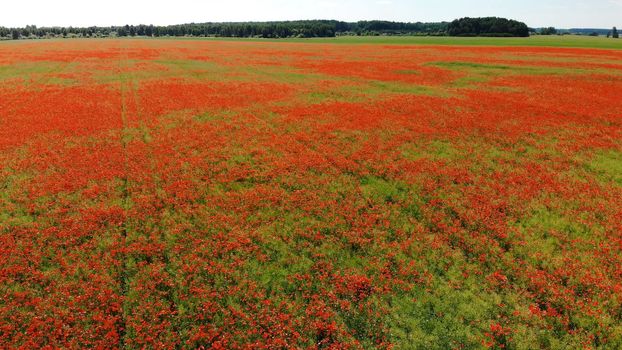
x=607 y=166
x=570 y=41
x=538 y=41
x=29 y=70
x=482 y=73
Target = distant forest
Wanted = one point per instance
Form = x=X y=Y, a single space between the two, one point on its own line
x=489 y=26
x=289 y=29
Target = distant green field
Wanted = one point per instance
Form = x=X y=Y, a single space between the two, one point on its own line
x=553 y=41
x=538 y=41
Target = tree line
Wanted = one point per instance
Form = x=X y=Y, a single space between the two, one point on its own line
x=578 y=31
x=287 y=29
x=490 y=26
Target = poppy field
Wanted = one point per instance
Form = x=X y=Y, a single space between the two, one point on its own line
x=273 y=195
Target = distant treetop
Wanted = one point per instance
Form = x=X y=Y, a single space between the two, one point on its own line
x=284 y=29
x=487 y=26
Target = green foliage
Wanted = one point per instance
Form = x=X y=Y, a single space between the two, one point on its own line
x=284 y=29
x=488 y=26
x=607 y=166
x=548 y=31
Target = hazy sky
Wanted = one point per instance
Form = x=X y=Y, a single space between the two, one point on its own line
x=536 y=13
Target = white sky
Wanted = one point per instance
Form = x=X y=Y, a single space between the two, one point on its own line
x=536 y=13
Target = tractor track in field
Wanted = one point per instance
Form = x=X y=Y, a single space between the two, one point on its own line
x=125 y=203
x=133 y=123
